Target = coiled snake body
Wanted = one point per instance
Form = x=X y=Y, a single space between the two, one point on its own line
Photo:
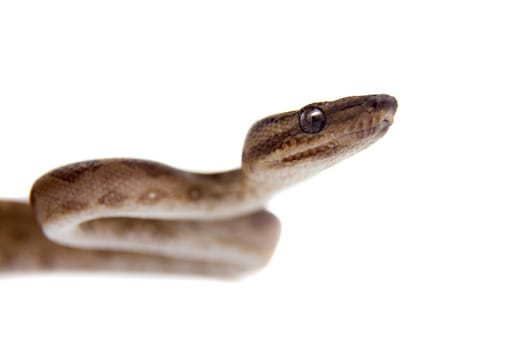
x=138 y=215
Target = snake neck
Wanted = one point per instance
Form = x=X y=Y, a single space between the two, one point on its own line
x=229 y=193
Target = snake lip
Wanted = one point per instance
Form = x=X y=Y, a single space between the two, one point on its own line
x=331 y=147
x=321 y=150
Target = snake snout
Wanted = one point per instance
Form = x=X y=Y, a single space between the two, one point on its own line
x=386 y=105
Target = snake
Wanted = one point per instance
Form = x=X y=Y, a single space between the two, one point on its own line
x=141 y=215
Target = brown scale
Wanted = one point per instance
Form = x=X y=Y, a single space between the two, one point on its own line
x=230 y=232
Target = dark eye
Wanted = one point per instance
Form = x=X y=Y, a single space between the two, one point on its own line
x=312 y=120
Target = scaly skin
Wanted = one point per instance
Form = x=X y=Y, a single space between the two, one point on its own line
x=138 y=215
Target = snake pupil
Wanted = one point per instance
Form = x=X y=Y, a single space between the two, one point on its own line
x=312 y=120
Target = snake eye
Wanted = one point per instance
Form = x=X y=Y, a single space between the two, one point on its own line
x=312 y=120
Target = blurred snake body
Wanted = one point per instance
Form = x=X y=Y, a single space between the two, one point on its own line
x=138 y=215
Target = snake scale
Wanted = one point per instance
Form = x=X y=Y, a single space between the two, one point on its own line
x=139 y=215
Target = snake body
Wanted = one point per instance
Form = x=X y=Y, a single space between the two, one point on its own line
x=129 y=214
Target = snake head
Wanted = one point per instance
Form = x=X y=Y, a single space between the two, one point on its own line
x=289 y=147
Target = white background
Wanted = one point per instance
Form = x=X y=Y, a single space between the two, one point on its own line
x=416 y=243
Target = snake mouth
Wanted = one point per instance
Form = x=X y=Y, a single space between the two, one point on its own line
x=348 y=139
x=316 y=152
